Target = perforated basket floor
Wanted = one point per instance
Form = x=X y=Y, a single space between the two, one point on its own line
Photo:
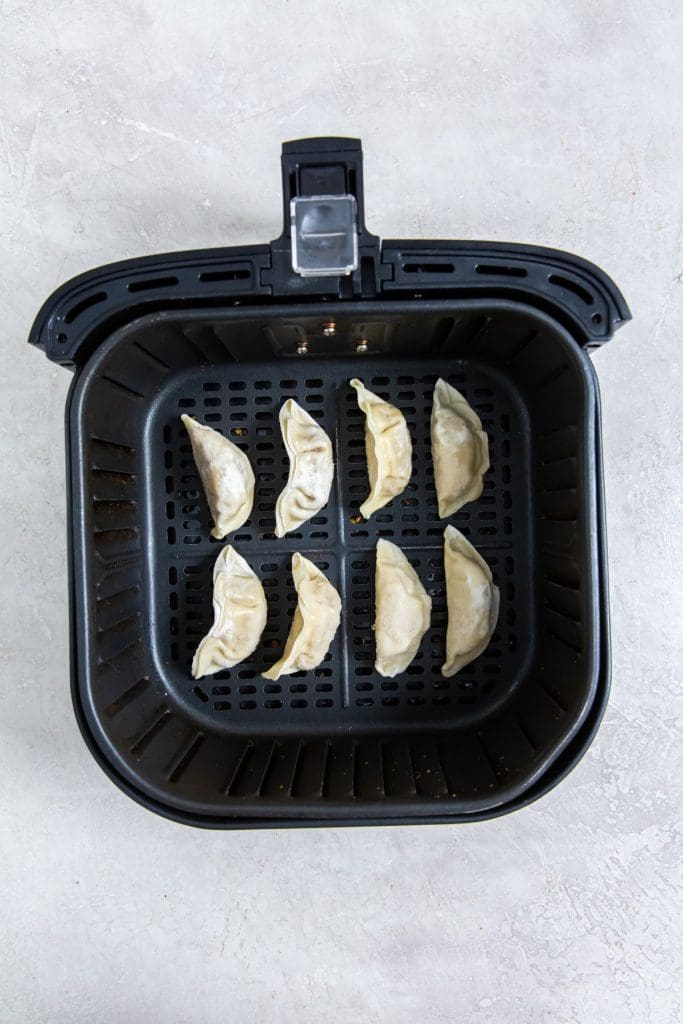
x=339 y=542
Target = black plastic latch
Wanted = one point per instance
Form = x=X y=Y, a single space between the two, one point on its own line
x=325 y=247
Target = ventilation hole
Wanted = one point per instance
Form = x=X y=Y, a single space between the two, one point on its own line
x=596 y=318
x=202 y=694
x=499 y=270
x=224 y=275
x=151 y=283
x=428 y=268
x=86 y=303
x=571 y=286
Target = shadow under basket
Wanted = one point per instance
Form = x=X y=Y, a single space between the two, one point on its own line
x=340 y=744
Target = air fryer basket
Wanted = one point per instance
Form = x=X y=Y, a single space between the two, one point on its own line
x=509 y=326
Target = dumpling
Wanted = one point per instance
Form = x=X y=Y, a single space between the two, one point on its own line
x=472 y=602
x=388 y=449
x=402 y=610
x=460 y=449
x=315 y=621
x=226 y=475
x=311 y=468
x=239 y=615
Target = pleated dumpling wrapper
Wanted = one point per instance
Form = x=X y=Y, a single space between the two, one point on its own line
x=226 y=475
x=388 y=449
x=402 y=610
x=472 y=600
x=460 y=449
x=311 y=469
x=239 y=615
x=315 y=621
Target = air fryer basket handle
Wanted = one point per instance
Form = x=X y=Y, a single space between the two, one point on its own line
x=324 y=167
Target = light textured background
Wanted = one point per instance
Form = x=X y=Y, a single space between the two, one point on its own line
x=131 y=127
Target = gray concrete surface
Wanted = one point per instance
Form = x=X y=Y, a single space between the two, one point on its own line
x=133 y=126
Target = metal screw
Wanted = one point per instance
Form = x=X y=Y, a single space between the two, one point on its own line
x=302 y=348
x=329 y=328
x=362 y=345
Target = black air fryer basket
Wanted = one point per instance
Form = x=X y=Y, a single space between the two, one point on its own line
x=228 y=334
